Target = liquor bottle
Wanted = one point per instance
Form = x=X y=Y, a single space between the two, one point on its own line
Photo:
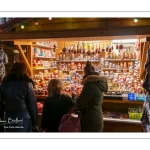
x=69 y=48
x=81 y=47
x=88 y=50
x=96 y=50
x=74 y=49
x=78 y=47
x=99 y=49
x=84 y=47
x=64 y=49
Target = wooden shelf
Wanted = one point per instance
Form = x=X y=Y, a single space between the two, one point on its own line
x=42 y=46
x=72 y=70
x=44 y=57
x=44 y=68
x=122 y=102
x=121 y=60
x=121 y=120
x=41 y=96
x=113 y=69
x=65 y=61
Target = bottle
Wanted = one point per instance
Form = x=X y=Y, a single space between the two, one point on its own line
x=74 y=49
x=84 y=47
x=78 y=47
x=96 y=49
x=64 y=49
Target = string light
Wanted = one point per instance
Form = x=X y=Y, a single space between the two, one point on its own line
x=36 y=22
x=9 y=27
x=135 y=20
x=22 y=26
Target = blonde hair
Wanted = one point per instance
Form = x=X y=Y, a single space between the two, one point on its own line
x=55 y=86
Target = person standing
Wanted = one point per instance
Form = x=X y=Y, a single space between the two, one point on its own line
x=55 y=106
x=17 y=94
x=90 y=99
x=145 y=119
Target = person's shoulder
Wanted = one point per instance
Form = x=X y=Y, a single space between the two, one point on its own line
x=65 y=96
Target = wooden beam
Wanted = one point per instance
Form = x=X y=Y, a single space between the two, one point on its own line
x=24 y=58
x=83 y=23
x=22 y=43
x=74 y=33
x=143 y=59
x=30 y=58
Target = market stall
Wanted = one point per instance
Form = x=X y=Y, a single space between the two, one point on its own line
x=60 y=48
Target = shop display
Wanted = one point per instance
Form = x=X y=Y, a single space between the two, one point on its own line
x=40 y=106
x=122 y=69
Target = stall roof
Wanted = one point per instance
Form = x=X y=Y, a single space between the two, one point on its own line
x=60 y=28
x=12 y=23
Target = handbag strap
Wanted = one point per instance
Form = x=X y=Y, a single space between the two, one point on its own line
x=72 y=110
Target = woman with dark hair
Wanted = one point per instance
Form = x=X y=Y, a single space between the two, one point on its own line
x=90 y=99
x=55 y=106
x=17 y=94
x=145 y=119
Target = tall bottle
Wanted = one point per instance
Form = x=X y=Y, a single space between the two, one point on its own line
x=74 y=49
x=64 y=48
x=84 y=48
x=78 y=47
x=96 y=49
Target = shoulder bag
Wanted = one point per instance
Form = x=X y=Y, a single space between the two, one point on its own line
x=70 y=122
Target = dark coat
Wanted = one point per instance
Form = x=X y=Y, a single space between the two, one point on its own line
x=53 y=110
x=90 y=102
x=19 y=98
x=146 y=83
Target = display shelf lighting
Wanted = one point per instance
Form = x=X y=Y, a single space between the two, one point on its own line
x=22 y=26
x=125 y=41
x=135 y=20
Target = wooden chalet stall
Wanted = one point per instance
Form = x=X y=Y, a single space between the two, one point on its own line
x=80 y=33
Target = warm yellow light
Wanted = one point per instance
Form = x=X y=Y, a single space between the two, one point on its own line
x=22 y=26
x=135 y=20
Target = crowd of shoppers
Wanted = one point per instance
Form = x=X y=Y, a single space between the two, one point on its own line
x=18 y=105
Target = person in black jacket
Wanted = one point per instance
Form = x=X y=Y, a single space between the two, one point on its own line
x=17 y=94
x=145 y=119
x=55 y=106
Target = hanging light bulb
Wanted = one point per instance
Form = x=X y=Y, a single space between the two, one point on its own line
x=36 y=22
x=50 y=18
x=9 y=27
x=22 y=26
x=135 y=20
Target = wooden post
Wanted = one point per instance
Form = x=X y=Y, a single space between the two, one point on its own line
x=27 y=60
x=24 y=58
x=30 y=58
x=144 y=49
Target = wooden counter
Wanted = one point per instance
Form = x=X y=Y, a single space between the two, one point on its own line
x=112 y=124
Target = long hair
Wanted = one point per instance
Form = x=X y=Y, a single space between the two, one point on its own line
x=89 y=68
x=20 y=71
x=55 y=86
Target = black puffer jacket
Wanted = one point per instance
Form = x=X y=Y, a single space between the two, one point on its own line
x=19 y=98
